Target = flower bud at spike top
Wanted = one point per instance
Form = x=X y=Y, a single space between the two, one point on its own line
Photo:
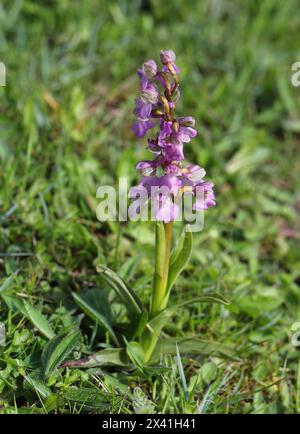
x=150 y=68
x=155 y=108
x=167 y=56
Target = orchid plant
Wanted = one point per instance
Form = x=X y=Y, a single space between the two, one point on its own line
x=170 y=179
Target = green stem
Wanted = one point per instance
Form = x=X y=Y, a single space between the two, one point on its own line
x=162 y=253
x=159 y=298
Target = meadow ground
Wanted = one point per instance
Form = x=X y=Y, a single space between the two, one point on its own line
x=66 y=114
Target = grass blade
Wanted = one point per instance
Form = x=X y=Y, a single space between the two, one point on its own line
x=181 y=373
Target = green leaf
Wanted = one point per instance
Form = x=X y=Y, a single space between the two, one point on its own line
x=56 y=350
x=88 y=397
x=191 y=346
x=208 y=372
x=106 y=357
x=140 y=402
x=39 y=321
x=15 y=304
x=52 y=402
x=136 y=354
x=30 y=312
x=125 y=293
x=95 y=315
x=37 y=385
x=180 y=256
x=158 y=322
x=140 y=326
x=8 y=281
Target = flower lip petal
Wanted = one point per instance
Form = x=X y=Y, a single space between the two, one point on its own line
x=143 y=79
x=142 y=110
x=141 y=127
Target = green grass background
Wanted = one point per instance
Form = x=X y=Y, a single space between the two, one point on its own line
x=66 y=114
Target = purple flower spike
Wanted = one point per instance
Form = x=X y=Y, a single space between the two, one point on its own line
x=159 y=94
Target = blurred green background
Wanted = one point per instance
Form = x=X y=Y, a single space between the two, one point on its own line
x=65 y=129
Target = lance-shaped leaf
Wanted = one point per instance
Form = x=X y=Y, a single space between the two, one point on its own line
x=56 y=350
x=39 y=320
x=31 y=313
x=180 y=256
x=37 y=385
x=125 y=293
x=15 y=304
x=140 y=326
x=95 y=315
x=158 y=322
x=136 y=354
x=192 y=346
x=106 y=357
x=8 y=281
x=88 y=397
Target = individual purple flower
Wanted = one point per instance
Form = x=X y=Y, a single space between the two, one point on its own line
x=174 y=133
x=143 y=124
x=205 y=196
x=173 y=152
x=185 y=134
